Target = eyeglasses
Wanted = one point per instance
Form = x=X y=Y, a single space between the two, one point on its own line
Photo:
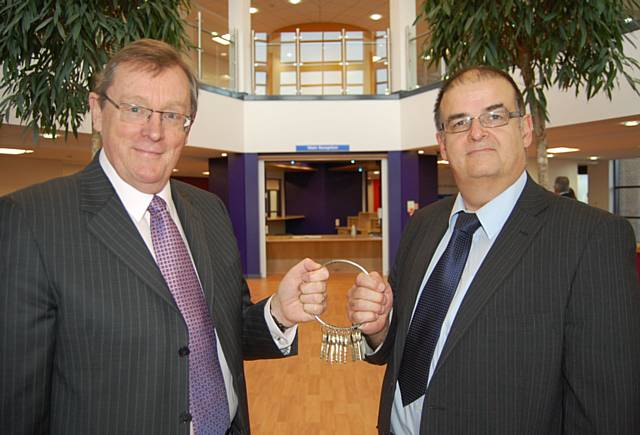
x=140 y=115
x=491 y=119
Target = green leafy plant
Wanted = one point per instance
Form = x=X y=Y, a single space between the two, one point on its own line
x=568 y=43
x=50 y=50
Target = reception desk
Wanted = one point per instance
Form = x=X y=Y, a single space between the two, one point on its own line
x=283 y=251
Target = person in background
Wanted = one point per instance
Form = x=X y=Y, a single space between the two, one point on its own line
x=561 y=187
x=123 y=308
x=509 y=310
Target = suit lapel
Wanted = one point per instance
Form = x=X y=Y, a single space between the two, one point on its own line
x=110 y=223
x=514 y=240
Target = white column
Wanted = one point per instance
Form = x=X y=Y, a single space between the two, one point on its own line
x=402 y=13
x=240 y=26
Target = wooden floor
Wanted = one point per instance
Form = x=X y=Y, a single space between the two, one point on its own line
x=305 y=395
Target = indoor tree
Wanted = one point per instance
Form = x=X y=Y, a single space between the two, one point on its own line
x=566 y=43
x=50 y=50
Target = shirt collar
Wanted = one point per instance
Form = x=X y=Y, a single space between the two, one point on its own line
x=135 y=202
x=495 y=213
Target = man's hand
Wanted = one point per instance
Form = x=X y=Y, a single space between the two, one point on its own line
x=301 y=294
x=369 y=302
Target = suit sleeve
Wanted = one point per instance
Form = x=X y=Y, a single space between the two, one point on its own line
x=27 y=322
x=602 y=336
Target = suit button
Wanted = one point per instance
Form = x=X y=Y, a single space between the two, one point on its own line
x=183 y=351
x=185 y=417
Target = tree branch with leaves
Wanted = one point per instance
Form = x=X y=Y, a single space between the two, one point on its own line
x=565 y=43
x=50 y=50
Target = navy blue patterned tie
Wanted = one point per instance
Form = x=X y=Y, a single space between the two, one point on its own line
x=207 y=394
x=432 y=308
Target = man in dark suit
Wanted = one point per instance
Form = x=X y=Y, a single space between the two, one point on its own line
x=106 y=327
x=523 y=319
x=561 y=187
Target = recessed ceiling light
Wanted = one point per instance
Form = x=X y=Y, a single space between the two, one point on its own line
x=205 y=173
x=49 y=135
x=253 y=10
x=14 y=151
x=593 y=157
x=550 y=156
x=443 y=162
x=375 y=17
x=633 y=123
x=376 y=172
x=221 y=39
x=560 y=150
x=224 y=154
x=294 y=2
x=420 y=151
x=175 y=169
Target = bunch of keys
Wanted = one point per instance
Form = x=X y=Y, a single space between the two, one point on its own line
x=338 y=342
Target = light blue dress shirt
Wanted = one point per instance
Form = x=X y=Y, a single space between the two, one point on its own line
x=492 y=216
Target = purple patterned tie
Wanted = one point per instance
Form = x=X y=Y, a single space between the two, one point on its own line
x=207 y=395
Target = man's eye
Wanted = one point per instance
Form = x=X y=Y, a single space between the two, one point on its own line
x=496 y=116
x=171 y=116
x=135 y=109
x=457 y=123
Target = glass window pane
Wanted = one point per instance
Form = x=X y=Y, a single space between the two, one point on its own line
x=332 y=52
x=381 y=49
x=629 y=202
x=261 y=51
x=309 y=36
x=311 y=52
x=381 y=89
x=287 y=36
x=287 y=53
x=355 y=77
x=355 y=50
x=332 y=77
x=355 y=90
x=287 y=77
x=287 y=90
x=628 y=172
x=355 y=35
x=261 y=36
x=332 y=35
x=311 y=90
x=332 y=90
x=311 y=77
x=381 y=75
x=261 y=78
x=261 y=90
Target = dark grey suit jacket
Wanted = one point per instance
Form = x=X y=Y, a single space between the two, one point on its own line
x=89 y=332
x=547 y=339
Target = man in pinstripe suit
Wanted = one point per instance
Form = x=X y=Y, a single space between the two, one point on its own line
x=542 y=333
x=91 y=339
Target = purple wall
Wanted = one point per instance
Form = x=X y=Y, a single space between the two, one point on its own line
x=235 y=181
x=411 y=177
x=321 y=196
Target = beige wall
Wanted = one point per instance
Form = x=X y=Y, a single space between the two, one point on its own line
x=599 y=189
x=18 y=172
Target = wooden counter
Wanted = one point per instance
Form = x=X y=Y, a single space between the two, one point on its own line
x=283 y=251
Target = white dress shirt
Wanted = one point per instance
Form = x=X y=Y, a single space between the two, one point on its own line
x=492 y=216
x=136 y=203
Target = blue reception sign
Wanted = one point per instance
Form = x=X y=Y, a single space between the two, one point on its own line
x=321 y=148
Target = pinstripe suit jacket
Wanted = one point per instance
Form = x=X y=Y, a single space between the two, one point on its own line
x=89 y=332
x=547 y=339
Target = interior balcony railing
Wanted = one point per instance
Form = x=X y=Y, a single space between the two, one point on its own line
x=213 y=55
x=345 y=62
x=420 y=71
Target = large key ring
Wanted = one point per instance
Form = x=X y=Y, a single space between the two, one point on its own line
x=338 y=340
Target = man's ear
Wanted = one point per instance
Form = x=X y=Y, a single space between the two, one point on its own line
x=527 y=130
x=440 y=137
x=96 y=111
